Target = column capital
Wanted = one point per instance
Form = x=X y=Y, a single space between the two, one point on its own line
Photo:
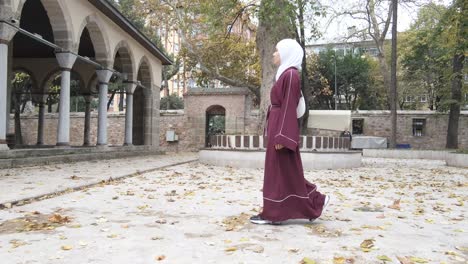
x=65 y=60
x=130 y=86
x=7 y=33
x=104 y=76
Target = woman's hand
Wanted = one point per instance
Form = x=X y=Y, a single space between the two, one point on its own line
x=278 y=146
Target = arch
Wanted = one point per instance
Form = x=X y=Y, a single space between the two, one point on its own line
x=99 y=38
x=125 y=57
x=215 y=122
x=144 y=73
x=35 y=85
x=216 y=110
x=59 y=20
x=56 y=71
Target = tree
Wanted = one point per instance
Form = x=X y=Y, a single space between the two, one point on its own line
x=354 y=78
x=424 y=59
x=171 y=102
x=208 y=49
x=377 y=16
x=21 y=94
x=454 y=33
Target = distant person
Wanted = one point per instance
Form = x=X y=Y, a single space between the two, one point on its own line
x=286 y=193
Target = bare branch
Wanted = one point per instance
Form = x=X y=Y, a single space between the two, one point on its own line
x=387 y=23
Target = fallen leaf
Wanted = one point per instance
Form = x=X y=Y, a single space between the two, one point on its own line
x=307 y=261
x=395 y=205
x=342 y=260
x=367 y=244
x=465 y=249
x=339 y=260
x=230 y=249
x=255 y=248
x=384 y=258
x=418 y=260
x=57 y=218
x=66 y=247
x=404 y=260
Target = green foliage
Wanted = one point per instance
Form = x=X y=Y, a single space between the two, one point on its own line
x=171 y=102
x=354 y=79
x=132 y=10
x=21 y=92
x=425 y=58
x=216 y=125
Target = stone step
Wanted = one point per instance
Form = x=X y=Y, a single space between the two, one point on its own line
x=44 y=152
x=69 y=157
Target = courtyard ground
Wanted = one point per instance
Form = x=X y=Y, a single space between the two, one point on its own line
x=181 y=211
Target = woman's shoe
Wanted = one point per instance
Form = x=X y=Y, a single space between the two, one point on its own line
x=260 y=221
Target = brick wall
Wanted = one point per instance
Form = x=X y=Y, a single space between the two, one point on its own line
x=190 y=128
x=116 y=128
x=377 y=123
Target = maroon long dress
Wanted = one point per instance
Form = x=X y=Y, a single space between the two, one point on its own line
x=286 y=194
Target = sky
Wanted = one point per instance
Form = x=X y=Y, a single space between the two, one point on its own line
x=337 y=30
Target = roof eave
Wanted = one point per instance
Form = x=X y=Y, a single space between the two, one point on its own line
x=111 y=12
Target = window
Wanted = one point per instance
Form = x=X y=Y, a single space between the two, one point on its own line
x=409 y=99
x=358 y=126
x=423 y=98
x=419 y=127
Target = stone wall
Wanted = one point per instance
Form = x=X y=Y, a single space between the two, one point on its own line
x=377 y=123
x=116 y=128
x=175 y=120
x=198 y=101
x=191 y=134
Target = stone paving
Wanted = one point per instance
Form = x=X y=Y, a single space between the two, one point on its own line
x=388 y=211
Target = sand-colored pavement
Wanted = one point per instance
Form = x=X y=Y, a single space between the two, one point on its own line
x=192 y=213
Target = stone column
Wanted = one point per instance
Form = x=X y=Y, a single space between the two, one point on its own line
x=66 y=61
x=103 y=78
x=6 y=34
x=129 y=89
x=87 y=123
x=148 y=120
x=40 y=122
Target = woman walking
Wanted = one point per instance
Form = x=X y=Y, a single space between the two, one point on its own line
x=286 y=194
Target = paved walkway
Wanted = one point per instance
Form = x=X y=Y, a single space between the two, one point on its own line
x=19 y=184
x=192 y=213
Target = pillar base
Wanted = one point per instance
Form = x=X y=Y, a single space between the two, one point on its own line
x=62 y=145
x=102 y=146
x=4 y=146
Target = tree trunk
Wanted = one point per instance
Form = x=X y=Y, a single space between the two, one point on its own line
x=121 y=99
x=111 y=99
x=306 y=91
x=274 y=25
x=393 y=82
x=457 y=81
x=452 y=131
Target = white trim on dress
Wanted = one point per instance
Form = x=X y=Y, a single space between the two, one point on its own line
x=291 y=195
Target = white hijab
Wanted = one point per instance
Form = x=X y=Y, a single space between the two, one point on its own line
x=291 y=55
